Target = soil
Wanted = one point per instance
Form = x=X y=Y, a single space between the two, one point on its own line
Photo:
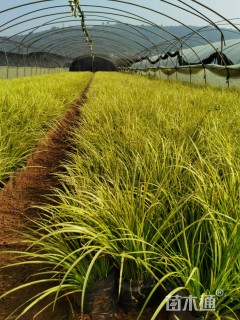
x=24 y=190
x=18 y=200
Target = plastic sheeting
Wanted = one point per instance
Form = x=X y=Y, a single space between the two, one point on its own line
x=17 y=72
x=196 y=55
x=53 y=33
x=215 y=75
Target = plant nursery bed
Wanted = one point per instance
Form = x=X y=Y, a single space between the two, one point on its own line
x=20 y=199
x=24 y=191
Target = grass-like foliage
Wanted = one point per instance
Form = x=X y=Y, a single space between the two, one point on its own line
x=151 y=188
x=28 y=107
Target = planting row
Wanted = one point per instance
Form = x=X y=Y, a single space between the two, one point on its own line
x=28 y=108
x=150 y=194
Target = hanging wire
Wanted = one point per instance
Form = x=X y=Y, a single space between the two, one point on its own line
x=75 y=7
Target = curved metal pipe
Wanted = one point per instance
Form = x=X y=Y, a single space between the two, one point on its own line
x=181 y=41
x=33 y=29
x=100 y=29
x=42 y=48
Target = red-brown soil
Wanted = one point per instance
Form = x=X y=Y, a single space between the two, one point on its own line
x=29 y=187
x=24 y=190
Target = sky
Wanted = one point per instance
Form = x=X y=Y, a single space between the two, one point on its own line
x=9 y=19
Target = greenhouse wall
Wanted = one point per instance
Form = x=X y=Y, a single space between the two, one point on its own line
x=7 y=72
x=220 y=76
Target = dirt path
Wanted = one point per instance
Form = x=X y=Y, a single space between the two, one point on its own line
x=24 y=190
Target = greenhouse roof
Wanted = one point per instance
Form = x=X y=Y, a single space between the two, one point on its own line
x=122 y=32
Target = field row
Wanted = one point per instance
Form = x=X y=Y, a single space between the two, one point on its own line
x=28 y=108
x=150 y=189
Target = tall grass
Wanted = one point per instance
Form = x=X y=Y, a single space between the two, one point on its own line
x=152 y=187
x=28 y=107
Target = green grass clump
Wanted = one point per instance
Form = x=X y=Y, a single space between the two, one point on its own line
x=151 y=188
x=28 y=108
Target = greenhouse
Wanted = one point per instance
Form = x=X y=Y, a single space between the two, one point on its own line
x=119 y=160
x=118 y=34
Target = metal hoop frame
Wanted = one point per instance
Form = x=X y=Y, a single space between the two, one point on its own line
x=109 y=41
